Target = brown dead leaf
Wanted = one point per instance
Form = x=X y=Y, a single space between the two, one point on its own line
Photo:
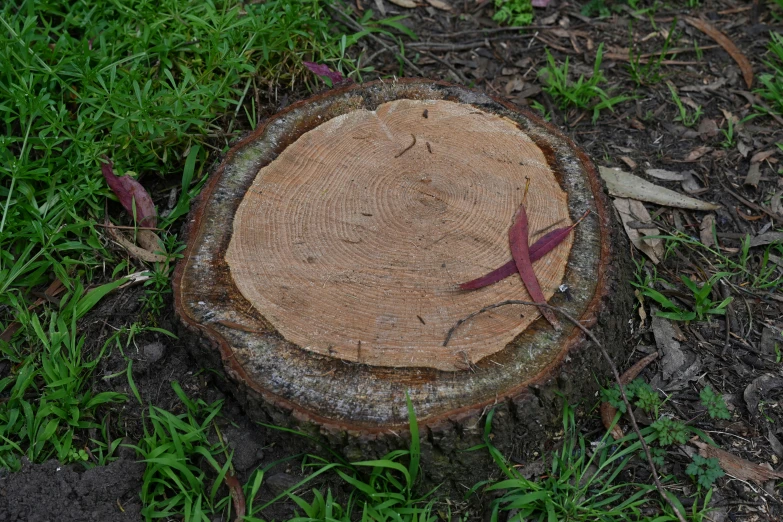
x=761 y=156
x=517 y=83
x=705 y=230
x=735 y=466
x=636 y=124
x=725 y=42
x=628 y=161
x=708 y=128
x=439 y=4
x=754 y=176
x=608 y=411
x=148 y=240
x=697 y=153
x=134 y=250
x=633 y=210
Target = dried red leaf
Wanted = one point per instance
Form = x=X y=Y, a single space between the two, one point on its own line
x=237 y=495
x=130 y=191
x=539 y=249
x=323 y=70
x=518 y=239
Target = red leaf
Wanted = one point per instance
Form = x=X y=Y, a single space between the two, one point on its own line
x=539 y=249
x=130 y=191
x=518 y=238
x=323 y=70
x=236 y=495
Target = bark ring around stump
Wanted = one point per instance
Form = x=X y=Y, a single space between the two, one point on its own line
x=324 y=257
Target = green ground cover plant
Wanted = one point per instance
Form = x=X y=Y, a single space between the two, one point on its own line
x=159 y=88
x=772 y=82
x=583 y=93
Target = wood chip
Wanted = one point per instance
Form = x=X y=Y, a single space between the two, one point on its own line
x=737 y=467
x=625 y=185
x=630 y=211
x=725 y=42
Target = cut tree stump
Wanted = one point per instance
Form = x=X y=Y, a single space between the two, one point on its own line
x=324 y=257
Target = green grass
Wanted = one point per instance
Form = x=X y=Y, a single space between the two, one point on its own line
x=160 y=88
x=48 y=403
x=772 y=82
x=583 y=93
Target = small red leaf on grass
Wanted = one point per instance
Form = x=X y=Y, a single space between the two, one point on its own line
x=320 y=69
x=130 y=191
x=518 y=239
x=539 y=249
x=236 y=495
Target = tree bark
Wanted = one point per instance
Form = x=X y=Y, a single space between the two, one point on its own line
x=324 y=256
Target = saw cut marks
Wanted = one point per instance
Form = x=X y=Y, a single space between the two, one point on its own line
x=352 y=243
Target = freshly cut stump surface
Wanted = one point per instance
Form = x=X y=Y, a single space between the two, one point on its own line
x=324 y=258
x=352 y=242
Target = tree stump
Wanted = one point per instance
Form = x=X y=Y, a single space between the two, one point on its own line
x=324 y=257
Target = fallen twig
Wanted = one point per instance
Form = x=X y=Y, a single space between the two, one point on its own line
x=615 y=373
x=409 y=147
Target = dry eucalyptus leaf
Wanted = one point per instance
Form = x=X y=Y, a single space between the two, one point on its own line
x=439 y=4
x=631 y=210
x=625 y=185
x=743 y=148
x=666 y=175
x=407 y=4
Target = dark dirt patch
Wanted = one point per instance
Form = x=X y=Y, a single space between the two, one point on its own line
x=737 y=354
x=51 y=491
